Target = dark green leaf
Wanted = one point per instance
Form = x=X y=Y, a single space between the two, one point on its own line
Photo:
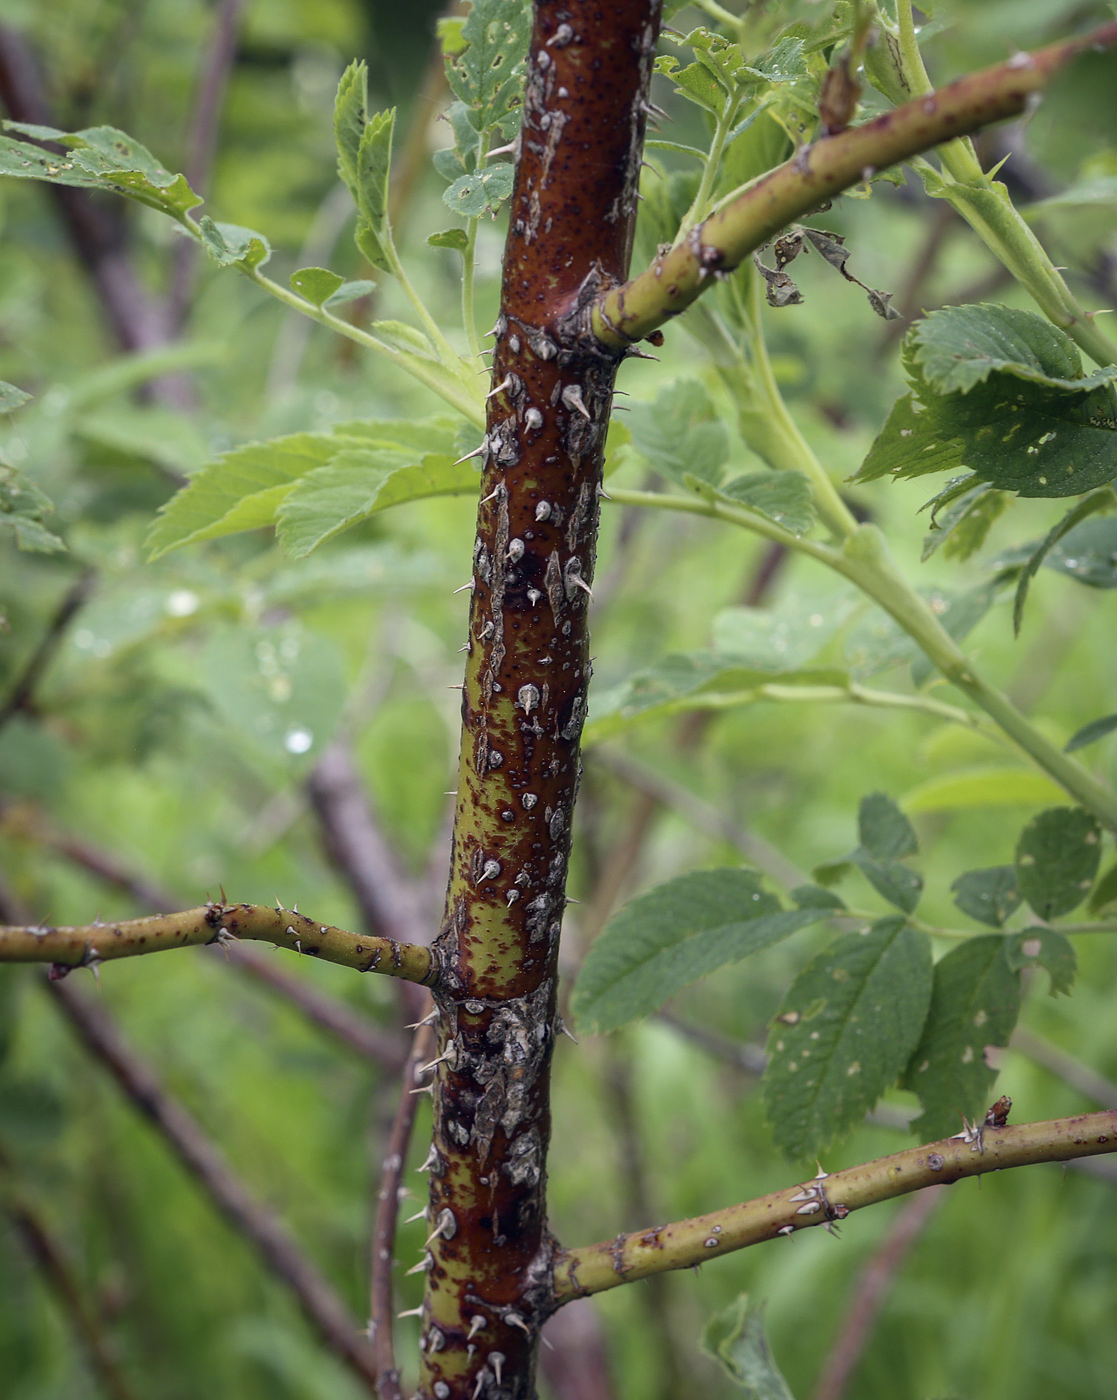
x=815 y=897
x=735 y=1339
x=487 y=74
x=455 y=238
x=1091 y=733
x=891 y=880
x=662 y=941
x=681 y=434
x=885 y=833
x=989 y=895
x=229 y=243
x=844 y=1032
x=1057 y=859
x=784 y=497
x=1089 y=505
x=316 y=284
x=374 y=163
x=1105 y=894
x=963 y=524
x=472 y=194
x=1051 y=949
x=23 y=507
x=350 y=116
x=974 y=1005
x=913 y=442
x=11 y=397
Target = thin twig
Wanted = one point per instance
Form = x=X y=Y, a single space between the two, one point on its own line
x=1073 y=1072
x=201 y=144
x=284 y=1259
x=870 y=1291
x=50 y=1258
x=22 y=694
x=381 y=1308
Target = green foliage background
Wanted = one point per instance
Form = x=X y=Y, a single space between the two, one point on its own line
x=164 y=733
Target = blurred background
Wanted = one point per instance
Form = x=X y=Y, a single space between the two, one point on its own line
x=231 y=717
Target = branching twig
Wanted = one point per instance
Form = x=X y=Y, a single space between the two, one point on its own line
x=50 y=1258
x=593 y=1268
x=86 y=945
x=381 y=1308
x=321 y=1305
x=869 y=1294
x=21 y=695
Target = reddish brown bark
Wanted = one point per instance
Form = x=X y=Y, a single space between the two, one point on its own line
x=571 y=222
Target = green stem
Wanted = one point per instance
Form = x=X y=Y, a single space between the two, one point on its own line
x=720 y=13
x=865 y=561
x=446 y=352
x=699 y=208
x=469 y=267
x=827 y=694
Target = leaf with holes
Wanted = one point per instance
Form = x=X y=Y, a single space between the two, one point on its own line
x=974 y=1006
x=844 y=1032
x=1057 y=859
x=991 y=896
x=666 y=939
x=486 y=74
x=479 y=191
x=1046 y=948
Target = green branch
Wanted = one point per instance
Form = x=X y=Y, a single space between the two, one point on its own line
x=86 y=945
x=687 y=1243
x=816 y=174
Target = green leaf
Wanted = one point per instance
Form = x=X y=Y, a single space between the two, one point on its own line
x=991 y=896
x=374 y=164
x=1088 y=554
x=962 y=526
x=1105 y=894
x=844 y=1032
x=373 y=247
x=815 y=897
x=11 y=397
x=666 y=939
x=1051 y=950
x=681 y=433
x=1089 y=505
x=359 y=483
x=735 y=1339
x=891 y=880
x=316 y=284
x=974 y=1005
x=350 y=116
x=1057 y=859
x=984 y=786
x=885 y=833
x=784 y=497
x=487 y=75
x=350 y=291
x=229 y=243
x=961 y=346
x=455 y=238
x=23 y=507
x=1091 y=733
x=962 y=613
x=783 y=638
x=471 y=195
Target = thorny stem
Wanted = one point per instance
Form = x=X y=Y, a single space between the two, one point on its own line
x=86 y=945
x=865 y=561
x=686 y=1243
x=819 y=172
x=381 y=1310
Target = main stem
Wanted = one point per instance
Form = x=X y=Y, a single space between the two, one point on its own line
x=572 y=213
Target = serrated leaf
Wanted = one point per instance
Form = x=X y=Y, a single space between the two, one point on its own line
x=374 y=164
x=316 y=284
x=1105 y=893
x=815 y=897
x=666 y=939
x=229 y=243
x=784 y=497
x=987 y=785
x=974 y=1004
x=11 y=398
x=991 y=895
x=844 y=1032
x=785 y=637
x=455 y=238
x=1088 y=554
x=1091 y=733
x=883 y=830
x=372 y=247
x=23 y=507
x=487 y=74
x=472 y=194
x=736 y=1340
x=350 y=116
x=1089 y=505
x=350 y=291
x=962 y=526
x=359 y=483
x=681 y=434
x=1049 y=949
x=1057 y=859
x=961 y=346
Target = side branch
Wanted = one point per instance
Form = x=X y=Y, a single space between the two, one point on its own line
x=596 y=1267
x=820 y=171
x=86 y=945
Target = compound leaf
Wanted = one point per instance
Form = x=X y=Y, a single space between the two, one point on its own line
x=1057 y=859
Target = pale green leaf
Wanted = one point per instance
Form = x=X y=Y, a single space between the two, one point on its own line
x=974 y=1005
x=681 y=434
x=479 y=191
x=350 y=291
x=350 y=116
x=735 y=1339
x=229 y=243
x=1057 y=859
x=666 y=939
x=374 y=163
x=316 y=284
x=784 y=497
x=11 y=397
x=455 y=238
x=785 y=637
x=982 y=786
x=844 y=1032
x=23 y=507
x=373 y=246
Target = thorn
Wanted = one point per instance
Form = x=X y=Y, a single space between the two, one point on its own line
x=512 y=1319
x=549 y=1345
x=602 y=493
x=496 y=1361
x=278 y=906
x=478 y=1384
x=470 y=585
x=503 y=151
x=423 y=1089
x=455 y=687
x=569 y=1035
x=463 y=647
x=505 y=383
x=476 y=1323
x=419 y=1215
x=428 y=1020
x=450 y=1054
x=571 y=900
x=412 y=1312
x=572 y=397
x=422 y=1267
x=450 y=792
x=580 y=582
x=476 y=452
x=821 y=1174
x=432 y=1157
x=497 y=489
